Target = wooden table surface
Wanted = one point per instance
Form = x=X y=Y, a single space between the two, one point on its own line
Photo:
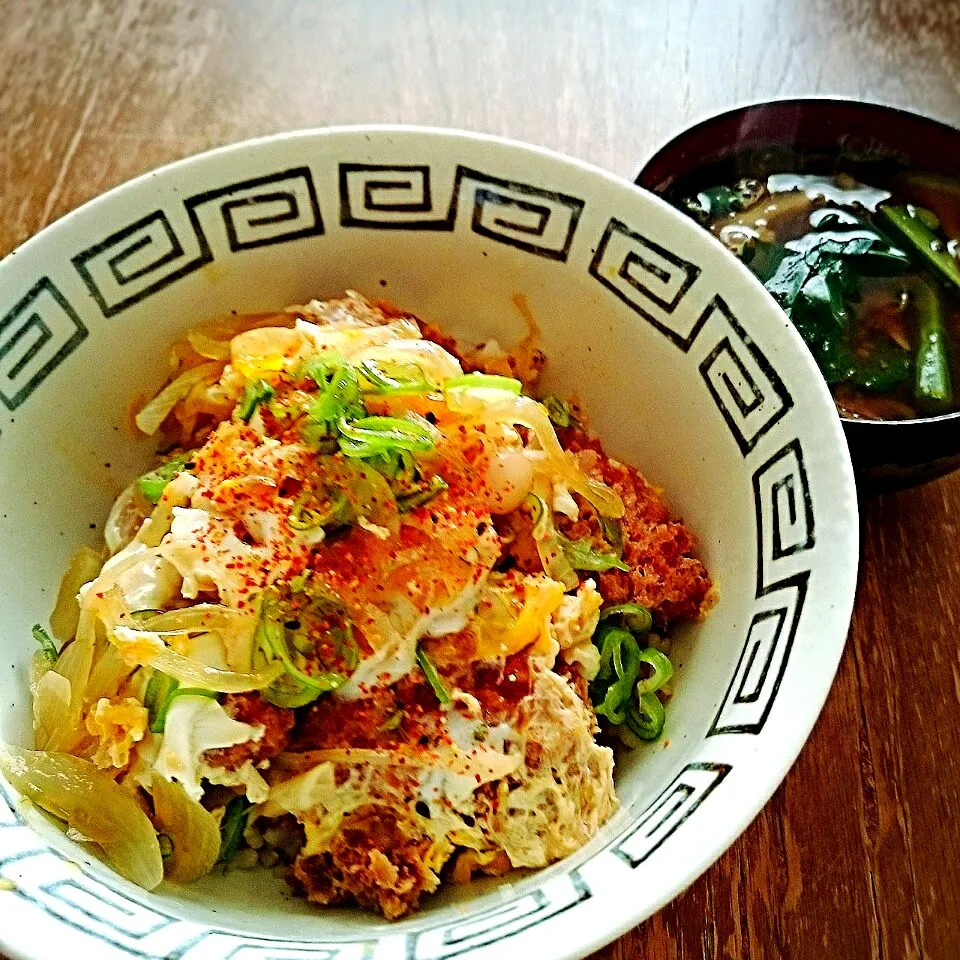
x=858 y=853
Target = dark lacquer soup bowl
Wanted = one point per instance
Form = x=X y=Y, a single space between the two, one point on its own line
x=876 y=145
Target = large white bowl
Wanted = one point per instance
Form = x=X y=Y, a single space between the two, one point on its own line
x=686 y=367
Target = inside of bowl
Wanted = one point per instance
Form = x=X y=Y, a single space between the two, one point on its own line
x=70 y=450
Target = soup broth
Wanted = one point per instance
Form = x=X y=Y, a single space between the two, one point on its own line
x=865 y=263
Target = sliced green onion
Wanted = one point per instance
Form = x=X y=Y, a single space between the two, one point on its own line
x=398 y=467
x=232 y=825
x=549 y=543
x=166 y=845
x=411 y=501
x=661 y=671
x=433 y=678
x=583 y=556
x=159 y=722
x=484 y=381
x=392 y=722
x=623 y=654
x=395 y=382
x=636 y=617
x=153 y=483
x=559 y=411
x=159 y=688
x=295 y=687
x=255 y=393
x=372 y=436
x=613 y=534
x=337 y=513
x=339 y=398
x=645 y=719
x=48 y=649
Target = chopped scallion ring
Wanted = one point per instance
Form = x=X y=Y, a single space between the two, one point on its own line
x=645 y=719
x=661 y=671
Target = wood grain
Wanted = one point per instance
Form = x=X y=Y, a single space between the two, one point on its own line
x=856 y=855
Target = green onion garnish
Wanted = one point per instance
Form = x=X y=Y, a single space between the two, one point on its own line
x=661 y=671
x=645 y=718
x=621 y=653
x=255 y=393
x=433 y=678
x=373 y=436
x=48 y=649
x=159 y=722
x=153 y=483
x=401 y=378
x=583 y=556
x=159 y=688
x=637 y=618
x=295 y=687
x=559 y=411
x=232 y=825
x=412 y=501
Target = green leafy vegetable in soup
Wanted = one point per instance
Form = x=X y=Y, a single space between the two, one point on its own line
x=869 y=277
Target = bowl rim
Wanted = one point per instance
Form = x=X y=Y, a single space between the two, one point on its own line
x=777 y=770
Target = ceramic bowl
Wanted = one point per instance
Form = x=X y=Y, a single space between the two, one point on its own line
x=686 y=368
x=824 y=134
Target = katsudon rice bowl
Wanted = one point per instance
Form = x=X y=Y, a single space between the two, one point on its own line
x=410 y=538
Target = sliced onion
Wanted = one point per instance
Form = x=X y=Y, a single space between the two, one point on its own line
x=148 y=649
x=126 y=516
x=208 y=346
x=51 y=710
x=108 y=674
x=501 y=405
x=158 y=409
x=193 y=831
x=84 y=566
x=74 y=664
x=235 y=629
x=91 y=803
x=434 y=363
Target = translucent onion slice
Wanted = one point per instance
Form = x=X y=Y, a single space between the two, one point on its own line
x=501 y=405
x=51 y=710
x=74 y=664
x=208 y=346
x=85 y=565
x=126 y=515
x=158 y=409
x=148 y=649
x=90 y=802
x=433 y=362
x=193 y=831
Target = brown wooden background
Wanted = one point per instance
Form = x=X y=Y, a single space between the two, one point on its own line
x=858 y=854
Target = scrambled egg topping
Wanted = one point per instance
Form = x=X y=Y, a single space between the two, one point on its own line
x=394 y=682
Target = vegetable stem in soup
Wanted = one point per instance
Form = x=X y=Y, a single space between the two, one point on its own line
x=869 y=276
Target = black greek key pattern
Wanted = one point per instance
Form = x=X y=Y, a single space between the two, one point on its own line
x=401 y=197
x=36 y=336
x=747 y=390
x=259 y=212
x=131 y=264
x=650 y=279
x=669 y=810
x=784 y=509
x=763 y=660
x=785 y=532
x=164 y=246
x=555 y=897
